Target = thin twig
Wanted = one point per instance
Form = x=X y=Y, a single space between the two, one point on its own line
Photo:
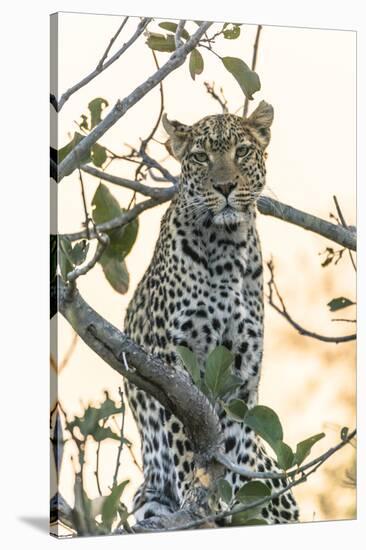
x=283 y=311
x=103 y=241
x=121 y=440
x=153 y=192
x=184 y=519
x=177 y=59
x=119 y=221
x=178 y=34
x=96 y=473
x=87 y=217
x=210 y=88
x=254 y=63
x=263 y=501
x=225 y=461
x=99 y=66
x=146 y=141
x=66 y=95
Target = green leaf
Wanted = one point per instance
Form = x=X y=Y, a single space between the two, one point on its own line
x=249 y=493
x=84 y=122
x=229 y=385
x=100 y=434
x=64 y=151
x=106 y=207
x=129 y=236
x=109 y=408
x=252 y=491
x=195 y=63
x=344 y=433
x=79 y=252
x=96 y=107
x=172 y=27
x=339 y=303
x=160 y=42
x=265 y=422
x=115 y=272
x=233 y=33
x=111 y=504
x=247 y=79
x=88 y=424
x=237 y=409
x=190 y=362
x=285 y=456
x=225 y=490
x=217 y=369
x=98 y=154
x=304 y=447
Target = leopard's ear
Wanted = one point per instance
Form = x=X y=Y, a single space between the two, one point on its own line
x=179 y=135
x=260 y=121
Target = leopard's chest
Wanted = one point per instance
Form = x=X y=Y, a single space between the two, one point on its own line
x=207 y=298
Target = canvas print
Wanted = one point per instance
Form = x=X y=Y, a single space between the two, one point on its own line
x=203 y=275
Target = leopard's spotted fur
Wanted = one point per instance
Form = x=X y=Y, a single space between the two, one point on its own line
x=203 y=288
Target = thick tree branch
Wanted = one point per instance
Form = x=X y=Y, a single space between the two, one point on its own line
x=282 y=310
x=174 y=389
x=336 y=233
x=266 y=206
x=176 y=60
x=102 y=66
x=171 y=387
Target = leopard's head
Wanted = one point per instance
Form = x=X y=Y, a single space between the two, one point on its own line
x=222 y=157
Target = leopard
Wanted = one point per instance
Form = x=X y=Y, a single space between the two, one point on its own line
x=202 y=289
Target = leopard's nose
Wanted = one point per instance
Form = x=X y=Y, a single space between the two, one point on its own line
x=225 y=188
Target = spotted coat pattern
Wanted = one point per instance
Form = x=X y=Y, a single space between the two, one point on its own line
x=203 y=288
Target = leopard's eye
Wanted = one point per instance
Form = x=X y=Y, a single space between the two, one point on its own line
x=200 y=157
x=242 y=151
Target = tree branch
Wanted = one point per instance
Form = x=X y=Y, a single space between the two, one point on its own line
x=112 y=41
x=176 y=60
x=153 y=192
x=336 y=233
x=171 y=387
x=254 y=63
x=174 y=389
x=210 y=88
x=283 y=311
x=183 y=519
x=101 y=67
x=103 y=241
x=343 y=222
x=178 y=33
x=125 y=218
x=266 y=206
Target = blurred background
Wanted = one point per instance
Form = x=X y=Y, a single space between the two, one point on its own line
x=309 y=77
